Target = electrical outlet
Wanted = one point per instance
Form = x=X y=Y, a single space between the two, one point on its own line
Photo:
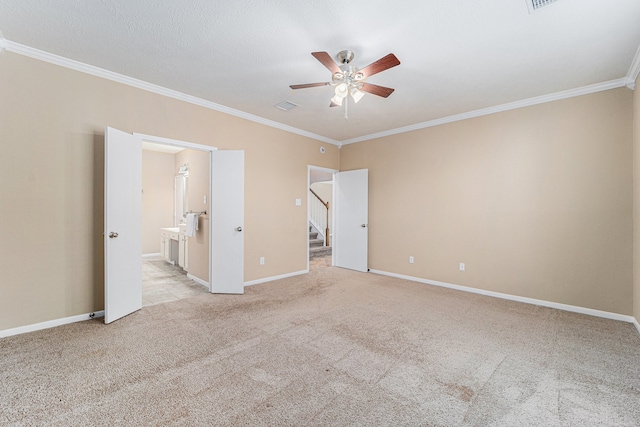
x=411 y=260
x=298 y=202
x=261 y=260
x=462 y=266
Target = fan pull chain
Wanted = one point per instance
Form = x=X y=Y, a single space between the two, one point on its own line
x=346 y=107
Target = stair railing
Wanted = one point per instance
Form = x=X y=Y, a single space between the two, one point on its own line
x=319 y=215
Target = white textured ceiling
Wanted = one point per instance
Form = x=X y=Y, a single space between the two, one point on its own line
x=456 y=56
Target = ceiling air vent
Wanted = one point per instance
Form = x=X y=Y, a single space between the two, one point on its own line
x=537 y=4
x=286 y=105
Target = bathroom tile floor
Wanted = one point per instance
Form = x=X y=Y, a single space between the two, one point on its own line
x=163 y=282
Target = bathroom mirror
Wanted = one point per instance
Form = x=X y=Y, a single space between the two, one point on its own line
x=180 y=200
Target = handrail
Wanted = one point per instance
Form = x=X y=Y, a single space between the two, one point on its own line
x=326 y=224
x=326 y=204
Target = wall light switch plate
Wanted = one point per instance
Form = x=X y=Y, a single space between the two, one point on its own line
x=261 y=260
x=462 y=266
x=298 y=202
x=205 y=200
x=411 y=260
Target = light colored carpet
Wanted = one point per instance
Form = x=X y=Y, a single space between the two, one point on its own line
x=334 y=347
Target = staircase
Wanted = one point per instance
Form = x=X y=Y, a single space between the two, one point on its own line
x=318 y=225
x=316 y=245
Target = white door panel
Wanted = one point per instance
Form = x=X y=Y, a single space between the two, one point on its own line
x=122 y=224
x=351 y=219
x=227 y=222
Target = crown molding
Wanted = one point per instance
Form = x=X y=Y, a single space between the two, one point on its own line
x=130 y=81
x=585 y=90
x=634 y=70
x=24 y=50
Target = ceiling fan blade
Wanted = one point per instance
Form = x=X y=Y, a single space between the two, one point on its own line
x=327 y=61
x=376 y=90
x=306 y=85
x=381 y=64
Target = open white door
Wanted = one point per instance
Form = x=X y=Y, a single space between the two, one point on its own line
x=227 y=222
x=351 y=219
x=122 y=224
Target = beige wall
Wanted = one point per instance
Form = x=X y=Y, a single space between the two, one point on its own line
x=536 y=201
x=636 y=201
x=52 y=124
x=197 y=188
x=158 y=171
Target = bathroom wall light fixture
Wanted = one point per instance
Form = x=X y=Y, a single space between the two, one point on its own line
x=184 y=169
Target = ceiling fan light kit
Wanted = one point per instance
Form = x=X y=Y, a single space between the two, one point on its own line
x=356 y=94
x=341 y=93
x=349 y=80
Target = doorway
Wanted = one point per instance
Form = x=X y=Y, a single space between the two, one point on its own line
x=347 y=213
x=320 y=197
x=123 y=220
x=175 y=183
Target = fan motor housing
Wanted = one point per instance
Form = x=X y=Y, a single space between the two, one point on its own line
x=345 y=56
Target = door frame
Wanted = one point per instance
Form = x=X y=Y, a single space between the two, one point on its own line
x=192 y=146
x=333 y=205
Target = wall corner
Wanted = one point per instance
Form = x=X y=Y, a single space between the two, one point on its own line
x=636 y=204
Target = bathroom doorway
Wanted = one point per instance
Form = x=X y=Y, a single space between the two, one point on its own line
x=123 y=215
x=175 y=185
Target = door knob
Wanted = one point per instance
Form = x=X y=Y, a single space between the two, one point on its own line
x=239 y=229
x=364 y=226
x=113 y=235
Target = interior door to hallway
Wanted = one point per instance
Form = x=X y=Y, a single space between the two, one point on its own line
x=351 y=220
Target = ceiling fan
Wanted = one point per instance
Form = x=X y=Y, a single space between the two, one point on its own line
x=349 y=80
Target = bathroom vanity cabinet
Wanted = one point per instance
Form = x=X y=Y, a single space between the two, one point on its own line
x=174 y=245
x=183 y=248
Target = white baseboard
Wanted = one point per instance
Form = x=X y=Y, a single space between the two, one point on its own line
x=50 y=324
x=150 y=255
x=198 y=280
x=637 y=325
x=543 y=303
x=272 y=278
